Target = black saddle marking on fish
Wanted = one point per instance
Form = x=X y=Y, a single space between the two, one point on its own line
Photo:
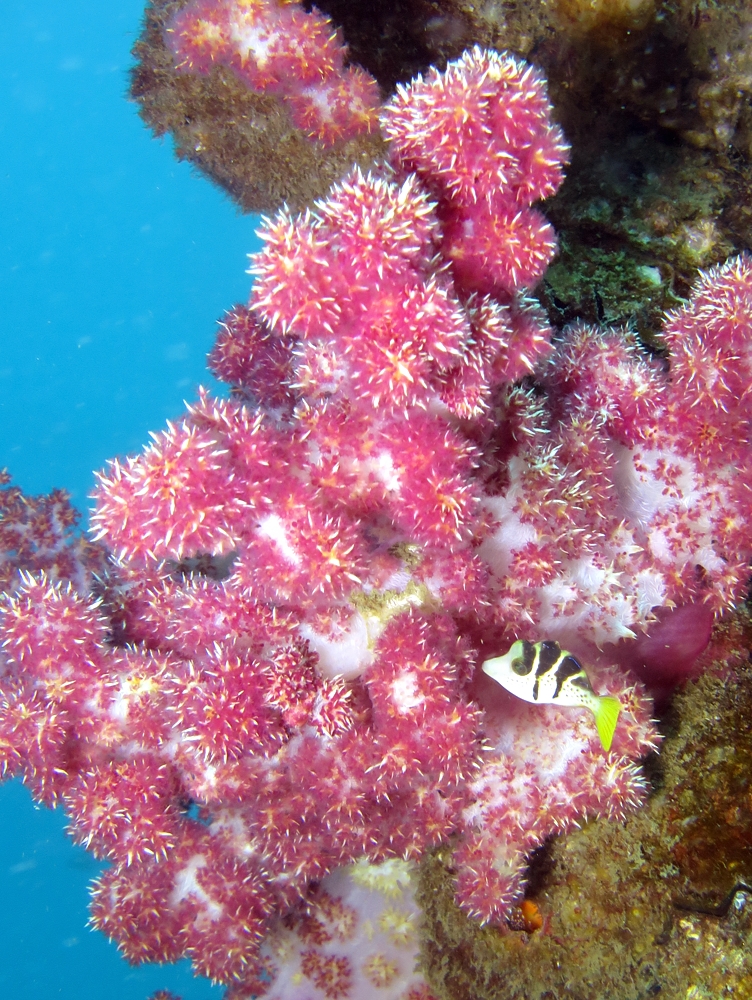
x=548 y=653
x=568 y=668
x=582 y=682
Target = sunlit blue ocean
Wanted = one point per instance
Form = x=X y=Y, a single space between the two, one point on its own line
x=115 y=262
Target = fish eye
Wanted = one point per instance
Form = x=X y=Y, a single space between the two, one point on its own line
x=518 y=666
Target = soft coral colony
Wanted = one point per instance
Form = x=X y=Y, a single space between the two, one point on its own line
x=277 y=48
x=280 y=678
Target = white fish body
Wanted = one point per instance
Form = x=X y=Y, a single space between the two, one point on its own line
x=545 y=674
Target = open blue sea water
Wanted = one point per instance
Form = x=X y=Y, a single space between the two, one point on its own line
x=115 y=262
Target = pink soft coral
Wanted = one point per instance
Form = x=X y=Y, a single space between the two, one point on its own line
x=279 y=679
x=276 y=47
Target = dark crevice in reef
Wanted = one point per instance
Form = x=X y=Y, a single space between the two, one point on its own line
x=395 y=41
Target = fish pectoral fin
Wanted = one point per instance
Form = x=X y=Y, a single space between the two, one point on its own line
x=606 y=711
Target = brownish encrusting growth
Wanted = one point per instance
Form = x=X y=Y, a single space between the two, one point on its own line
x=661 y=905
x=242 y=140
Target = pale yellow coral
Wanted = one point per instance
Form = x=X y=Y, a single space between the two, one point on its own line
x=390 y=878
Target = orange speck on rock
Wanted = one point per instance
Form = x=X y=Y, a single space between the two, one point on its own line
x=531 y=916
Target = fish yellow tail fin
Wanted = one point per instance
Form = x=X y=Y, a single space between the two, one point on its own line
x=606 y=711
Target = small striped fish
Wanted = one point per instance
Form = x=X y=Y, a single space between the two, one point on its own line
x=544 y=673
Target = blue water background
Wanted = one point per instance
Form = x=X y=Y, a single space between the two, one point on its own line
x=115 y=262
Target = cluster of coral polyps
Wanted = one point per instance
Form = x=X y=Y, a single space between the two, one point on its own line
x=39 y=534
x=629 y=489
x=280 y=679
x=276 y=47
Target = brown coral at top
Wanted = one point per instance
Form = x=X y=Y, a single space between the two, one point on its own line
x=244 y=141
